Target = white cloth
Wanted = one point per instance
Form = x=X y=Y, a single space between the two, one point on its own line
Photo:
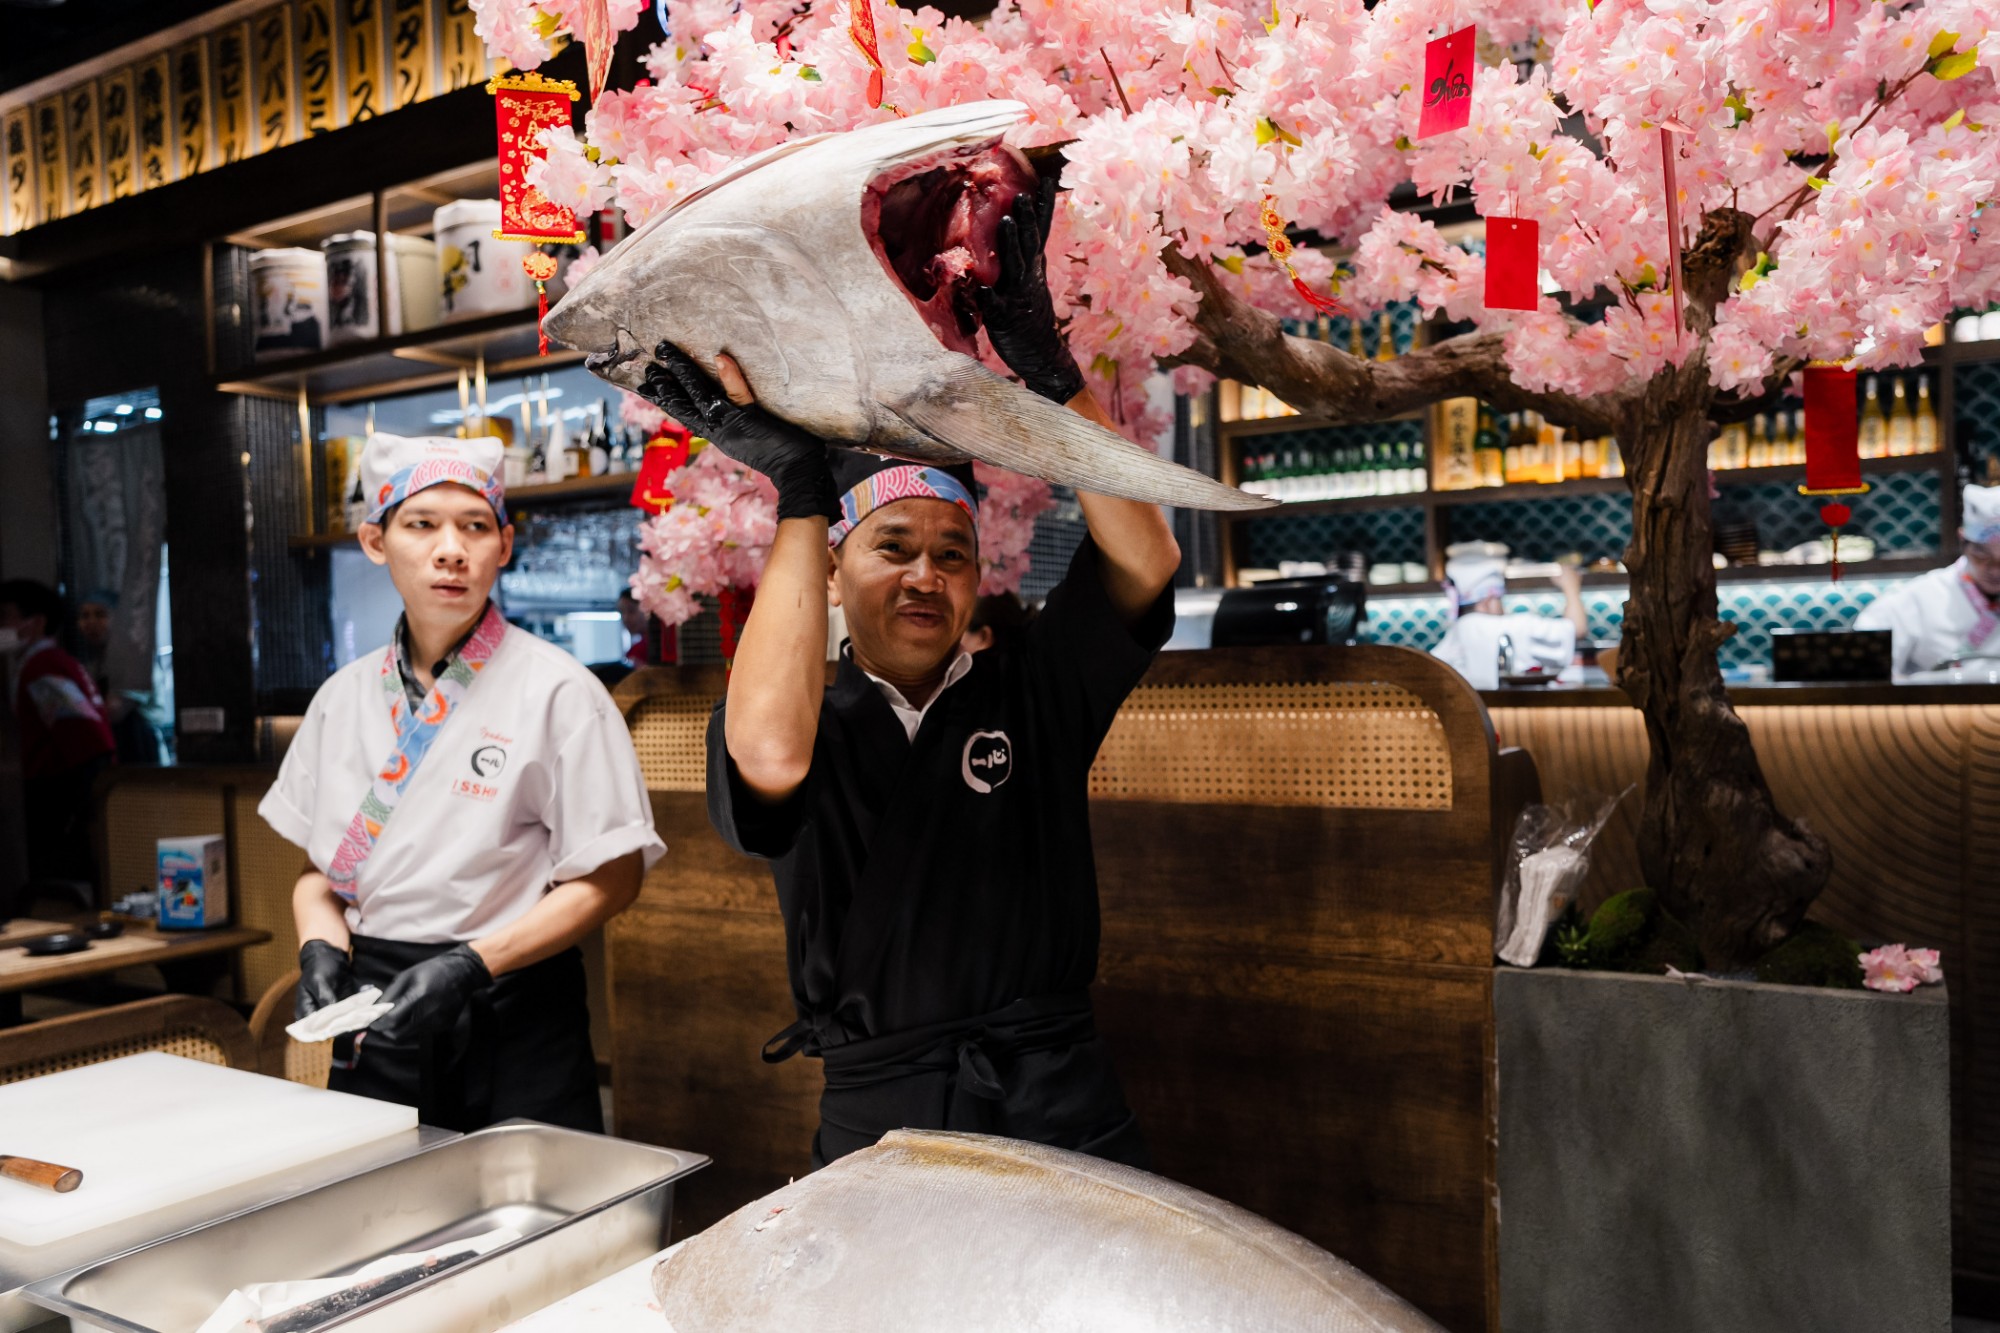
x=1979 y=513
x=248 y=1309
x=1471 y=646
x=1929 y=620
x=1474 y=578
x=908 y=713
x=531 y=781
x=352 y=1014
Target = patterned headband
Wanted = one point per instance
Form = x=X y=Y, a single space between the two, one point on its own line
x=909 y=482
x=434 y=472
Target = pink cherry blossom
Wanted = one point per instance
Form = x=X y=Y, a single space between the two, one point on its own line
x=1898 y=969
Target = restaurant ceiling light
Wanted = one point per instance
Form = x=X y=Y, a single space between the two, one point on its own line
x=105 y=427
x=122 y=410
x=152 y=414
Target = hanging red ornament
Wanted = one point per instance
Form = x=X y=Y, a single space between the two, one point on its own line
x=666 y=453
x=1447 y=87
x=1833 y=445
x=598 y=42
x=541 y=266
x=1280 y=247
x=523 y=106
x=1513 y=264
x=861 y=27
x=1668 y=155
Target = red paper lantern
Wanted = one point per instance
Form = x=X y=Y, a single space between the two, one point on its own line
x=1833 y=445
x=665 y=454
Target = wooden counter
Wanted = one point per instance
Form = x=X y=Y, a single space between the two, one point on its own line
x=1786 y=694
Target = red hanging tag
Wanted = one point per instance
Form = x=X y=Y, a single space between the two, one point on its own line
x=1513 y=264
x=1667 y=156
x=524 y=105
x=1447 y=86
x=597 y=44
x=861 y=27
x=1831 y=7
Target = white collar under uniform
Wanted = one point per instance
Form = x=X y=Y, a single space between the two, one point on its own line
x=531 y=781
x=1931 y=621
x=908 y=713
x=1471 y=646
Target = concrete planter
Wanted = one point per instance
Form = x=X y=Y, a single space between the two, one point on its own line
x=1721 y=1157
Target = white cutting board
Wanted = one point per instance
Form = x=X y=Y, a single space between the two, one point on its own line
x=152 y=1130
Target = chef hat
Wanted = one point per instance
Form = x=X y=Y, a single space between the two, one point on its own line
x=869 y=481
x=1979 y=517
x=395 y=467
x=1474 y=578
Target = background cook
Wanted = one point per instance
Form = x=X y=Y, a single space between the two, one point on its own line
x=1476 y=582
x=1948 y=615
x=471 y=807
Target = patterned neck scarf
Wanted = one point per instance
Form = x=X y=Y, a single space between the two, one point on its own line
x=1986 y=618
x=416 y=729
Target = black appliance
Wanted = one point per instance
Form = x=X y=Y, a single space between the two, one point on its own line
x=1822 y=655
x=1320 y=609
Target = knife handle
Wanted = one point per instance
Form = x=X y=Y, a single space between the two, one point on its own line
x=46 y=1175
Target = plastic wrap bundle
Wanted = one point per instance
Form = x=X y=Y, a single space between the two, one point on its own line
x=1548 y=861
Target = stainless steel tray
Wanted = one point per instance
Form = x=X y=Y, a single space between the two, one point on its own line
x=588 y=1205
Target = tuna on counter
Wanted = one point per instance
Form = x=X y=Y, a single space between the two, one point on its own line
x=837 y=269
x=929 y=1230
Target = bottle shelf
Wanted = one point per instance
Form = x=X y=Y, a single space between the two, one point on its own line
x=423 y=359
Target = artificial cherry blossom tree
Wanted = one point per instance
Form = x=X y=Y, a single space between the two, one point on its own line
x=1830 y=165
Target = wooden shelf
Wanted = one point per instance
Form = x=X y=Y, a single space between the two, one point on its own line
x=521 y=497
x=1237 y=430
x=1528 y=492
x=422 y=359
x=1885 y=568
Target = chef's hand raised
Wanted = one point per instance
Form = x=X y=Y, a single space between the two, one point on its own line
x=324 y=977
x=1020 y=318
x=429 y=996
x=726 y=415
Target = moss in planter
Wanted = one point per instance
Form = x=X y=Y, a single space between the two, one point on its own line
x=1631 y=932
x=1815 y=955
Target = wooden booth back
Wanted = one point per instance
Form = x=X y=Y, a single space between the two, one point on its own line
x=1297 y=852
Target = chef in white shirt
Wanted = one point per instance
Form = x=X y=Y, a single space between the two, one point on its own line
x=1472 y=645
x=471 y=808
x=1950 y=615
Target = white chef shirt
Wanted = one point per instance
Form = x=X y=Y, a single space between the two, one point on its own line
x=531 y=781
x=1471 y=646
x=908 y=713
x=1929 y=619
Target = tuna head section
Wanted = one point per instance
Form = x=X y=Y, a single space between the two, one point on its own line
x=839 y=272
x=934 y=1230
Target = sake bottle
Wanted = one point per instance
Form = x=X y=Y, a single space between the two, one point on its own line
x=1489 y=451
x=1874 y=426
x=1902 y=425
x=1385 y=339
x=1927 y=421
x=1354 y=347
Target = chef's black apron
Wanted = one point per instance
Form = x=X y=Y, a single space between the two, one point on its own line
x=940 y=894
x=520 y=1048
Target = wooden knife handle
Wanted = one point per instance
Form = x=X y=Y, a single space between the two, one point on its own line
x=47 y=1175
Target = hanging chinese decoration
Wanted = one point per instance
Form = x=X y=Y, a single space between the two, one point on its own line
x=1669 y=153
x=524 y=105
x=1833 y=447
x=861 y=27
x=1280 y=247
x=666 y=453
x=1447 y=89
x=1513 y=264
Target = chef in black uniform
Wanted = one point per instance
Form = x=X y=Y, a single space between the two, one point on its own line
x=926 y=815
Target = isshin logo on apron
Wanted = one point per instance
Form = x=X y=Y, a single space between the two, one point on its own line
x=487 y=761
x=414 y=734
x=988 y=760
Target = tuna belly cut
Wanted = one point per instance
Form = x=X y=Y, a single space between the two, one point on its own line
x=933 y=223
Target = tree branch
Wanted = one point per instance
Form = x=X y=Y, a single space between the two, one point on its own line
x=1241 y=341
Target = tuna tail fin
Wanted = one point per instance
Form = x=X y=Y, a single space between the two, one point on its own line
x=973 y=411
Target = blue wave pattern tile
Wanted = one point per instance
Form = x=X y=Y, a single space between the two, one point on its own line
x=1754 y=608
x=1595 y=525
x=1385 y=534
x=1900 y=515
x=1976 y=406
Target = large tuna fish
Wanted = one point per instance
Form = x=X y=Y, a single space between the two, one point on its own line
x=837 y=270
x=929 y=1231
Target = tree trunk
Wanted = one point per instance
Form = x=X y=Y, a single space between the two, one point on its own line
x=1711 y=840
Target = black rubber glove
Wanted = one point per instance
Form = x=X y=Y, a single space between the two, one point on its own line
x=795 y=462
x=1020 y=318
x=324 y=977
x=430 y=995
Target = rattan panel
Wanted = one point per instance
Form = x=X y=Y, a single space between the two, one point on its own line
x=267 y=868
x=670 y=733
x=1351 y=744
x=186 y=1042
x=308 y=1064
x=137 y=814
